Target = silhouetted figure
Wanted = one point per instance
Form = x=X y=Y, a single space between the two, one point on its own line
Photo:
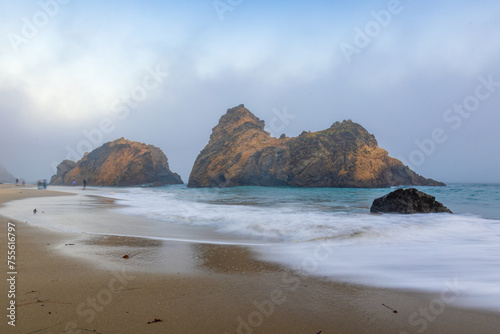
x=84 y=184
x=35 y=211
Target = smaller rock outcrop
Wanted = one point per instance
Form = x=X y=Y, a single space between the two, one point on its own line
x=407 y=201
x=62 y=169
x=118 y=163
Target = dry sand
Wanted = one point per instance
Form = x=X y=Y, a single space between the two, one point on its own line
x=225 y=290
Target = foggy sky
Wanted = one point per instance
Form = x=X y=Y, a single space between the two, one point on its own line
x=422 y=76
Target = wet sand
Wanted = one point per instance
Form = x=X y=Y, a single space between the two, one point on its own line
x=181 y=287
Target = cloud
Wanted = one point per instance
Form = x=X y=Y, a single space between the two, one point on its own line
x=90 y=55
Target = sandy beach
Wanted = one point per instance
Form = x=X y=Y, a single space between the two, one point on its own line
x=204 y=288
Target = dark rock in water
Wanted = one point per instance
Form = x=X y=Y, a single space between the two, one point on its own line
x=118 y=163
x=241 y=153
x=407 y=201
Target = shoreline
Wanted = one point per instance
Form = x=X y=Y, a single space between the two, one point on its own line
x=220 y=289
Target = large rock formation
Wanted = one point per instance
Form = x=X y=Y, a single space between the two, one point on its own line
x=118 y=163
x=241 y=153
x=407 y=201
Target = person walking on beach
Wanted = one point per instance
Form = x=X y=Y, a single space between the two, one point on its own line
x=74 y=183
x=84 y=184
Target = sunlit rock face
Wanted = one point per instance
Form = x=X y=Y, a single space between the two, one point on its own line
x=241 y=153
x=118 y=163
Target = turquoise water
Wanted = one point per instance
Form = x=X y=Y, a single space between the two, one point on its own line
x=479 y=199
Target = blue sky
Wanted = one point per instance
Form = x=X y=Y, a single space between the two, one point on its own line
x=406 y=64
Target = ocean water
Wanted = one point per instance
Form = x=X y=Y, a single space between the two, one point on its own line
x=330 y=233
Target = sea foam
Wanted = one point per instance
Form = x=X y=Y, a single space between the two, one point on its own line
x=323 y=232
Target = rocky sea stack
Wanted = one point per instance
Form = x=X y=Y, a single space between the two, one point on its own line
x=118 y=163
x=407 y=201
x=241 y=153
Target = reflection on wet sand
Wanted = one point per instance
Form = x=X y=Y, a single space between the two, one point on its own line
x=114 y=240
x=230 y=259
